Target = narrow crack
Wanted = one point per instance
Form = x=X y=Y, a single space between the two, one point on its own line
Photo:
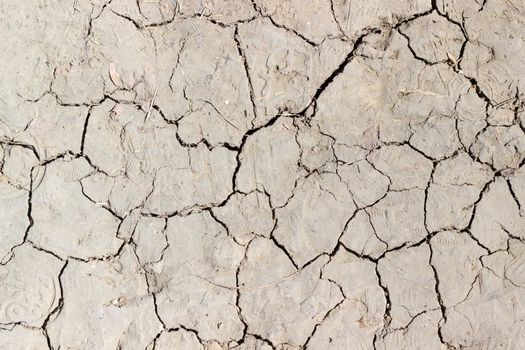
x=242 y=54
x=301 y=119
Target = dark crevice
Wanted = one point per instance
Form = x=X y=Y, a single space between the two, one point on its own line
x=242 y=54
x=29 y=206
x=84 y=130
x=56 y=311
x=438 y=295
x=413 y=52
x=285 y=251
x=281 y=26
x=340 y=69
x=387 y=318
x=516 y=200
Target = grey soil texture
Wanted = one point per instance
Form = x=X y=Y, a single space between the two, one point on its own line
x=262 y=174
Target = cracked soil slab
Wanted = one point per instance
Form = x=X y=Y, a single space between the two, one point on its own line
x=262 y=175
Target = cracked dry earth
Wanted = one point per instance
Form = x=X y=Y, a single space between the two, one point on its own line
x=262 y=174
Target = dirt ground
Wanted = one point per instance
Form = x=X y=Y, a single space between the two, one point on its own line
x=262 y=174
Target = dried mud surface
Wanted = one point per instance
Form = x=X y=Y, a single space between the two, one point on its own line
x=262 y=174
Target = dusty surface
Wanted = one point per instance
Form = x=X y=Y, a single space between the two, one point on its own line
x=264 y=174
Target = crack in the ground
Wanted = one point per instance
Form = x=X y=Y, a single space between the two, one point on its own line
x=305 y=115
